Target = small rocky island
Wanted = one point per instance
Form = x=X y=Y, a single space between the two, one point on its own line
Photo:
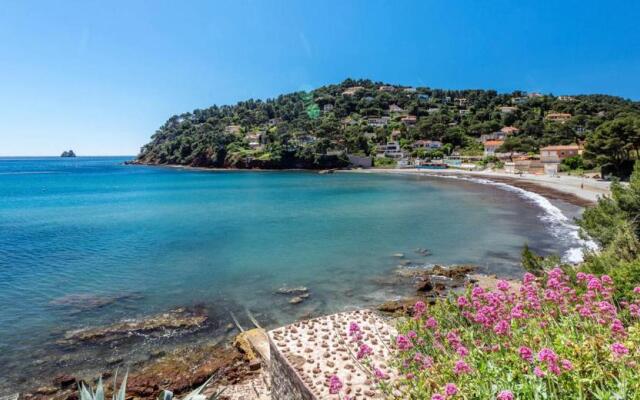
x=68 y=153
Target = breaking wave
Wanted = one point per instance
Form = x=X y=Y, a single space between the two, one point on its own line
x=560 y=226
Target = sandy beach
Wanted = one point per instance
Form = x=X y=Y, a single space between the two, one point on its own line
x=572 y=189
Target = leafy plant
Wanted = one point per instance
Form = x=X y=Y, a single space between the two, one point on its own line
x=87 y=393
x=194 y=395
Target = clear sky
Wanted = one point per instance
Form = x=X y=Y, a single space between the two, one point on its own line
x=100 y=76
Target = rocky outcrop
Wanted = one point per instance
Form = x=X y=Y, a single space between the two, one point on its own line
x=179 y=319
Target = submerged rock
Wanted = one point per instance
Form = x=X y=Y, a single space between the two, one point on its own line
x=174 y=320
x=88 y=301
x=293 y=290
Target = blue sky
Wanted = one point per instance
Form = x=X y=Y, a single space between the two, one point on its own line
x=101 y=76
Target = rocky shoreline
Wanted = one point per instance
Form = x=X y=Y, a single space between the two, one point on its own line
x=231 y=361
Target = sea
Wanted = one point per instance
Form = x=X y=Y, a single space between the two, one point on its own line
x=89 y=241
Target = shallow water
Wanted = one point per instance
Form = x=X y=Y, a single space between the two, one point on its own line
x=129 y=241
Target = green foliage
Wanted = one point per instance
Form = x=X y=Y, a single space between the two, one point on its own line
x=384 y=162
x=574 y=163
x=615 y=142
x=531 y=262
x=552 y=337
x=614 y=224
x=215 y=136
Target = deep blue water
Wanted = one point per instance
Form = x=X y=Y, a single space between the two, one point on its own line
x=157 y=238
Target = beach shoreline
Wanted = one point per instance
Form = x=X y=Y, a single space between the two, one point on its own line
x=582 y=192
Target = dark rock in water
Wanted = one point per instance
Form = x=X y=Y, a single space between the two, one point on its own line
x=296 y=300
x=68 y=153
x=175 y=320
x=64 y=381
x=453 y=272
x=424 y=284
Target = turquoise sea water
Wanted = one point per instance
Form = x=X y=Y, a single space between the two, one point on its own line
x=157 y=238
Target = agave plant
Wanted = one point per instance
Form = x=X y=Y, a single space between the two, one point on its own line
x=87 y=393
x=195 y=395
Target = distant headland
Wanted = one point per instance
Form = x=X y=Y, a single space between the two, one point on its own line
x=343 y=124
x=68 y=153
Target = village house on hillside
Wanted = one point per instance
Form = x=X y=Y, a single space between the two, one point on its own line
x=507 y=109
x=498 y=135
x=378 y=121
x=552 y=156
x=409 y=120
x=461 y=101
x=327 y=107
x=394 y=108
x=490 y=147
x=509 y=130
x=558 y=117
x=233 y=129
x=391 y=149
x=559 y=153
x=427 y=144
x=387 y=88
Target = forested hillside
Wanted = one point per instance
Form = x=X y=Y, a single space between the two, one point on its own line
x=316 y=129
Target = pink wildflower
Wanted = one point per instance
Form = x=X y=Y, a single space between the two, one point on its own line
x=503 y=285
x=594 y=284
x=501 y=328
x=539 y=373
x=450 y=389
x=437 y=396
x=461 y=367
x=380 y=374
x=547 y=355
x=403 y=343
x=528 y=278
x=566 y=365
x=526 y=353
x=431 y=323
x=636 y=290
x=419 y=308
x=462 y=351
x=412 y=335
x=505 y=395
x=617 y=327
x=606 y=279
x=618 y=349
x=335 y=384
x=462 y=301
x=364 y=351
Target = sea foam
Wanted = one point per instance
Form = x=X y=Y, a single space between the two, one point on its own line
x=560 y=226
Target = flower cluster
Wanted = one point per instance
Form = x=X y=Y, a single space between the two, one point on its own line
x=541 y=337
